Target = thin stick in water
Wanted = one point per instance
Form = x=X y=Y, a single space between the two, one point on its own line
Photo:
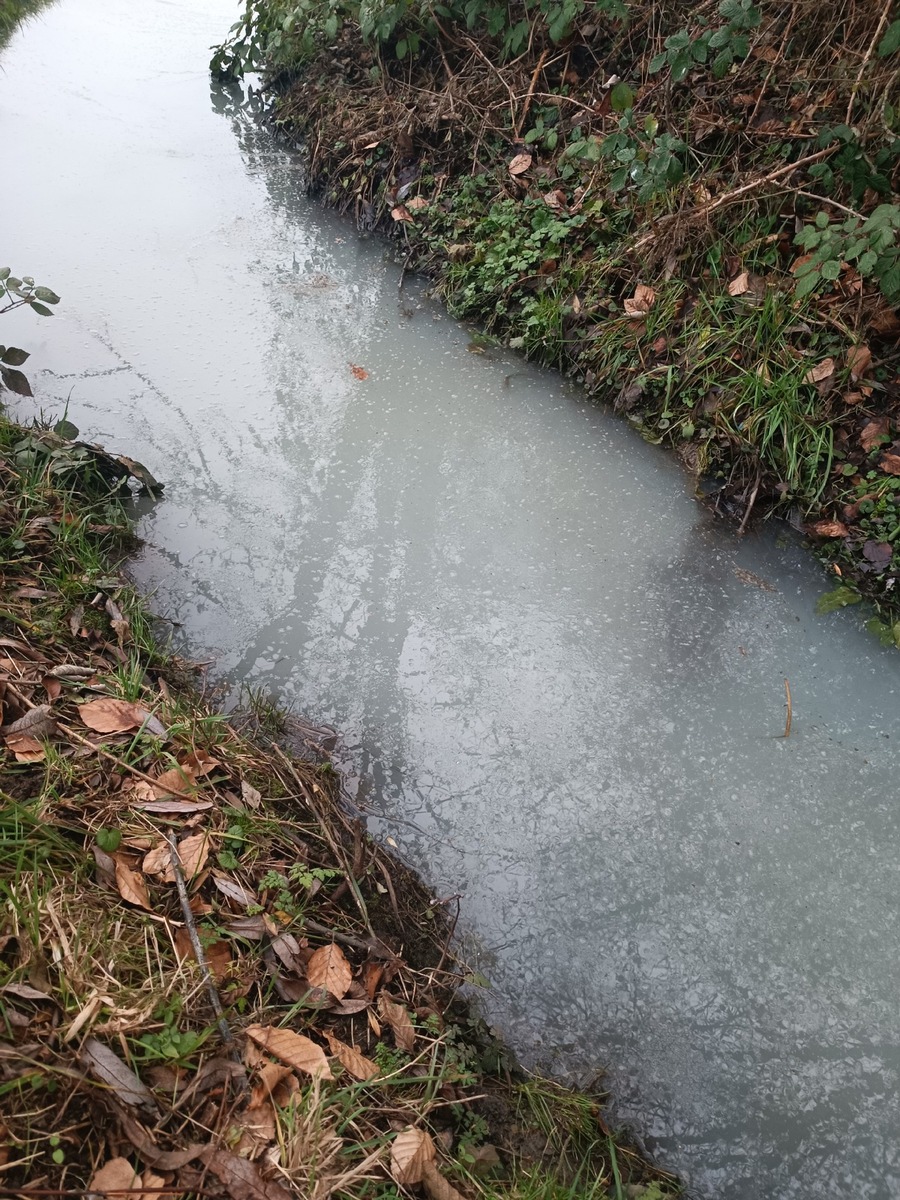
x=790 y=710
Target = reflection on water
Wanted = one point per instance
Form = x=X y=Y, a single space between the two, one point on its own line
x=564 y=700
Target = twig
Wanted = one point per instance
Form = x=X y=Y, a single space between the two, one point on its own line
x=449 y=938
x=526 y=108
x=403 y=271
x=199 y=954
x=827 y=200
x=865 y=62
x=749 y=509
x=790 y=710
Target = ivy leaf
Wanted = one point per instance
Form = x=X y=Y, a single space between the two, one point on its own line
x=621 y=98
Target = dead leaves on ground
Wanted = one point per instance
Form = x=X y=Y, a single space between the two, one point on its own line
x=328 y=968
x=641 y=302
x=298 y=1051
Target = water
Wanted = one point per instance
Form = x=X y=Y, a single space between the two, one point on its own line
x=563 y=698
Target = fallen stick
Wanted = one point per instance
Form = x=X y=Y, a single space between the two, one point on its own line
x=211 y=989
x=790 y=710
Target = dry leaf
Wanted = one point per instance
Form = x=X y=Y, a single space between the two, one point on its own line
x=738 y=286
x=417 y=202
x=251 y=797
x=872 y=433
x=37 y=723
x=399 y=1020
x=52 y=687
x=401 y=213
x=359 y=372
x=357 y=1064
x=243 y=1180
x=820 y=371
x=520 y=164
x=437 y=1187
x=233 y=890
x=859 y=359
x=217 y=954
x=118 y=1175
x=833 y=529
x=411 y=1149
x=556 y=200
x=641 y=302
x=193 y=852
x=108 y=715
x=293 y=1048
x=106 y=1066
x=176 y=807
x=131 y=885
x=890 y=464
x=177 y=781
x=25 y=748
x=198 y=763
x=328 y=968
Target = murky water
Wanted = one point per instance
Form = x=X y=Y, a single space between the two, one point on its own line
x=537 y=644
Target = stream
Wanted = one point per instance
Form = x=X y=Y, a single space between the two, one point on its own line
x=559 y=679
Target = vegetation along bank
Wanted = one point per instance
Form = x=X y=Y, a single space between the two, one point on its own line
x=695 y=209
x=212 y=982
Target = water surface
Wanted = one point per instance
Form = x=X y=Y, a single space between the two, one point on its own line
x=550 y=664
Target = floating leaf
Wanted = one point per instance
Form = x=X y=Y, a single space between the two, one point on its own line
x=359 y=372
x=840 y=597
x=329 y=968
x=292 y=1048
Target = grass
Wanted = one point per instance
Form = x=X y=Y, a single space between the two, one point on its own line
x=96 y=951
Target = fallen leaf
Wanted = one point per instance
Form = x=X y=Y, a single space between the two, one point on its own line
x=30 y=593
x=243 y=1180
x=52 y=687
x=879 y=553
x=108 y=715
x=329 y=968
x=175 y=807
x=437 y=1187
x=150 y=1153
x=37 y=723
x=177 y=781
x=520 y=164
x=416 y=203
x=832 y=529
x=269 y=1077
x=873 y=432
x=131 y=885
x=859 y=359
x=359 y=372
x=890 y=464
x=357 y=1064
x=158 y=861
x=117 y=1175
x=217 y=954
x=641 y=302
x=106 y=1066
x=820 y=371
x=400 y=1022
x=741 y=284
x=401 y=213
x=250 y=795
x=154 y=1188
x=198 y=763
x=411 y=1149
x=24 y=991
x=350 y=1005
x=193 y=852
x=556 y=200
x=25 y=748
x=293 y=1048
x=233 y=890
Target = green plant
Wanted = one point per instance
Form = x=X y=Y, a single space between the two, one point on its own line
x=871 y=244
x=14 y=293
x=684 y=51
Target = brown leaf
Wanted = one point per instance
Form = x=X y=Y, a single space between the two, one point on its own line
x=416 y=203
x=243 y=1180
x=890 y=464
x=859 y=359
x=400 y=1022
x=106 y=1066
x=131 y=885
x=293 y=1048
x=328 y=968
x=25 y=748
x=176 y=807
x=831 y=529
x=198 y=763
x=641 y=302
x=52 y=687
x=741 y=284
x=117 y=1175
x=150 y=1153
x=178 y=781
x=401 y=213
x=217 y=954
x=873 y=432
x=233 y=890
x=350 y=1058
x=37 y=723
x=411 y=1149
x=520 y=164
x=108 y=715
x=250 y=795
x=556 y=200
x=820 y=371
x=879 y=553
x=193 y=852
x=158 y=861
x=359 y=372
x=436 y=1186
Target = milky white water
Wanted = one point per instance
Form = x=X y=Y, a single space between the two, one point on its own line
x=562 y=699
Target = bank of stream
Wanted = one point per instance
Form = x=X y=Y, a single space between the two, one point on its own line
x=559 y=681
